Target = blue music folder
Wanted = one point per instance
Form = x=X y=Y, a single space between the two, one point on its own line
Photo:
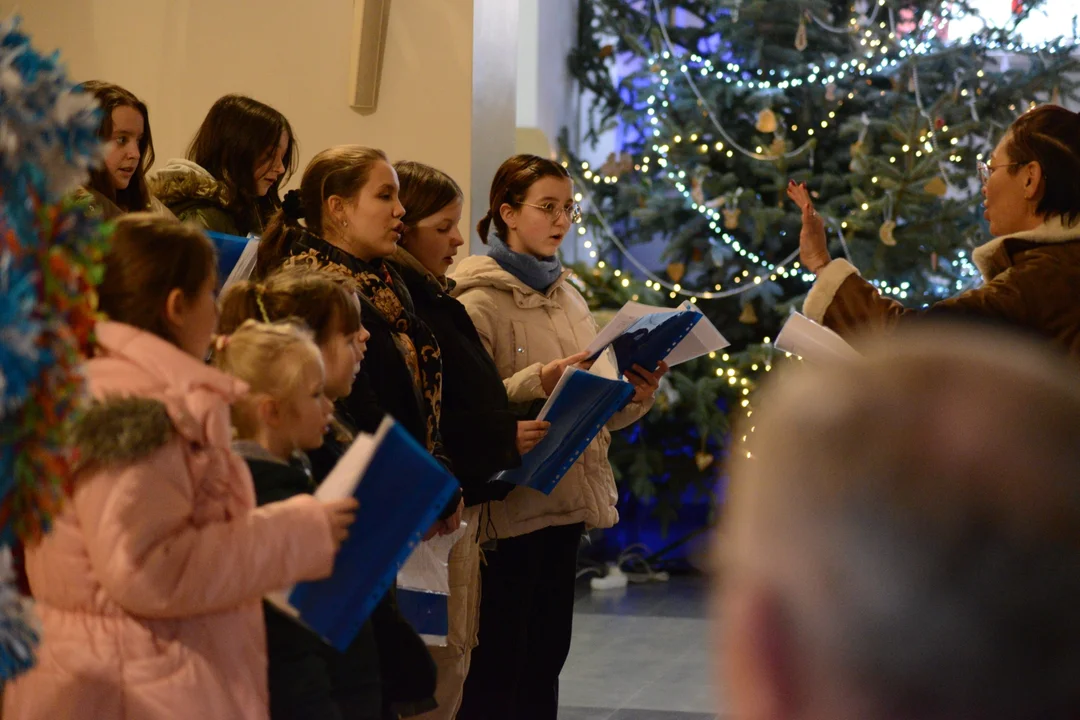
x=652 y=338
x=579 y=406
x=236 y=256
x=644 y=335
x=401 y=489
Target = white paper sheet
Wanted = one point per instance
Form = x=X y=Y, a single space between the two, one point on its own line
x=813 y=342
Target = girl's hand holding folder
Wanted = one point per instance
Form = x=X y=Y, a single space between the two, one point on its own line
x=530 y=433
x=341 y=514
x=645 y=383
x=553 y=371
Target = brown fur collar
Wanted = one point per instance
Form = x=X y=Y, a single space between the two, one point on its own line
x=120 y=430
x=1050 y=232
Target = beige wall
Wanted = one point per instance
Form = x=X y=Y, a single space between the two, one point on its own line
x=181 y=55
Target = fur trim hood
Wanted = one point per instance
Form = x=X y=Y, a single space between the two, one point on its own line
x=181 y=181
x=987 y=256
x=120 y=430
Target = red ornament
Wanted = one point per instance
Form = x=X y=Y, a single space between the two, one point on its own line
x=1017 y=6
x=939 y=123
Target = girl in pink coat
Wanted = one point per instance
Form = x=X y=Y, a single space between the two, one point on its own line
x=149 y=585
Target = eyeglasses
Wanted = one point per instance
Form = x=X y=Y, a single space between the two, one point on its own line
x=554 y=212
x=985 y=171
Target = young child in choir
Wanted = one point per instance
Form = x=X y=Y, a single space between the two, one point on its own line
x=529 y=317
x=149 y=586
x=386 y=672
x=239 y=158
x=119 y=185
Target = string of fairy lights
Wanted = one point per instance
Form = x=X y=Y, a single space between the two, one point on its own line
x=880 y=50
x=826 y=73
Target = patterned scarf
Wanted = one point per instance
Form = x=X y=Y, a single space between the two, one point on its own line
x=382 y=292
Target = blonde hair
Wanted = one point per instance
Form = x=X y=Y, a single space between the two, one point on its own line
x=272 y=358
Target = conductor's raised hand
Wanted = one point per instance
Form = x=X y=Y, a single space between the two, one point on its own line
x=813 y=243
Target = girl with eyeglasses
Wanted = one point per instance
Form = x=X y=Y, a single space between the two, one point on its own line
x=1030 y=269
x=534 y=323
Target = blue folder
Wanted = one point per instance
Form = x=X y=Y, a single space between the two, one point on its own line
x=401 y=494
x=652 y=338
x=229 y=249
x=578 y=408
x=427 y=612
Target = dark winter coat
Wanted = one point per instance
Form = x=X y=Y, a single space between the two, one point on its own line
x=385 y=384
x=479 y=431
x=1031 y=282
x=196 y=196
x=309 y=678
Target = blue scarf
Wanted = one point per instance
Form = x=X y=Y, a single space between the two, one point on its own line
x=538 y=273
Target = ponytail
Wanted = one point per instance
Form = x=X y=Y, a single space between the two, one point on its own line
x=484 y=227
x=276 y=243
x=341 y=170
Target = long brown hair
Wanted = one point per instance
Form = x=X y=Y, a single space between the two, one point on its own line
x=342 y=170
x=149 y=257
x=424 y=191
x=325 y=303
x=136 y=196
x=511 y=184
x=1050 y=136
x=237 y=135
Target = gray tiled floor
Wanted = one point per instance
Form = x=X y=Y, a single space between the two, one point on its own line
x=641 y=654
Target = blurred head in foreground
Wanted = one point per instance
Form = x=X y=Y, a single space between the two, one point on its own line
x=904 y=541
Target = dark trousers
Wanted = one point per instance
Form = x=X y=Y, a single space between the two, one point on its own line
x=526 y=620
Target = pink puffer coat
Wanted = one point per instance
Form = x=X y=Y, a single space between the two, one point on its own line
x=149 y=585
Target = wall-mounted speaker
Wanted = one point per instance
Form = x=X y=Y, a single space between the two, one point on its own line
x=370 y=21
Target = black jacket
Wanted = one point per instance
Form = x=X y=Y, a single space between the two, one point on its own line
x=308 y=678
x=384 y=384
x=479 y=431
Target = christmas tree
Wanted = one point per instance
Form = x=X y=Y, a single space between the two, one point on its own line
x=717 y=104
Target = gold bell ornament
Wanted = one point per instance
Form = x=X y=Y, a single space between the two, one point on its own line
x=766 y=121
x=748 y=315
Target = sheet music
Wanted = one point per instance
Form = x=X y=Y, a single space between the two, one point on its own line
x=630 y=313
x=703 y=338
x=803 y=337
x=346 y=475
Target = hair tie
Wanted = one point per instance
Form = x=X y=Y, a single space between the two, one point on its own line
x=262 y=306
x=292 y=205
